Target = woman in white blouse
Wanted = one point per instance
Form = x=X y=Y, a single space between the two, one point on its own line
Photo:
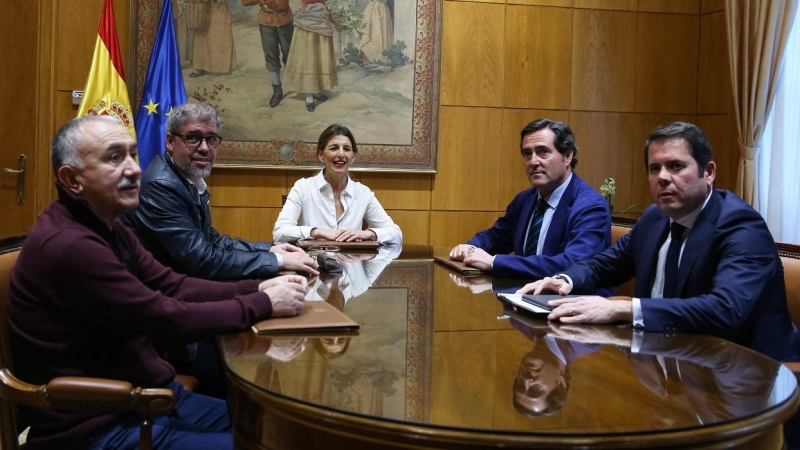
x=331 y=205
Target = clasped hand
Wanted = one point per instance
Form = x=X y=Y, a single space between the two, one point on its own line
x=344 y=234
x=474 y=256
x=286 y=293
x=296 y=259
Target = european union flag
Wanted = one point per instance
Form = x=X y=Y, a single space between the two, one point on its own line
x=163 y=90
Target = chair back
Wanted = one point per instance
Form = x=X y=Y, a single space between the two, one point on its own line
x=9 y=250
x=791 y=274
x=619 y=229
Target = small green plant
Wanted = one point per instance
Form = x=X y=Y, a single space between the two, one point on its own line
x=394 y=56
x=343 y=16
x=608 y=189
x=351 y=54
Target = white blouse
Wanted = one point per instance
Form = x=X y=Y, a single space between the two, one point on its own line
x=310 y=204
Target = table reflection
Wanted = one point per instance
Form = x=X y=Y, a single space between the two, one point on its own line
x=359 y=271
x=696 y=380
x=434 y=349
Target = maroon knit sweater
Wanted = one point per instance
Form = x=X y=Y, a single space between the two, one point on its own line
x=89 y=301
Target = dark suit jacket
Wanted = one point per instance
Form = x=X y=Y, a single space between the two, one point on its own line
x=580 y=228
x=730 y=280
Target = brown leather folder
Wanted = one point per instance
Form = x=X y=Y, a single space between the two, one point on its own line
x=356 y=245
x=464 y=269
x=317 y=316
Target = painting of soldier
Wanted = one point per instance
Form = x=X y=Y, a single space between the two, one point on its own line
x=324 y=60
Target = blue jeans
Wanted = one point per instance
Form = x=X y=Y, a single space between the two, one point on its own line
x=197 y=423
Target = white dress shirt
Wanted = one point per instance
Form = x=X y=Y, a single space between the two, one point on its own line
x=552 y=204
x=310 y=204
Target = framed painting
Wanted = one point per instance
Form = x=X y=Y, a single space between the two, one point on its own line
x=370 y=65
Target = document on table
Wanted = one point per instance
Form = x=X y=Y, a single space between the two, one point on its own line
x=533 y=303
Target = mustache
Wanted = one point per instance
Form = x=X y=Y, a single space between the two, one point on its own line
x=128 y=182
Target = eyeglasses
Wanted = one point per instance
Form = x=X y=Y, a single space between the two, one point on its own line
x=194 y=140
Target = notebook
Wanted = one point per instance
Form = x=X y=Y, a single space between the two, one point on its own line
x=465 y=269
x=317 y=316
x=306 y=243
x=533 y=303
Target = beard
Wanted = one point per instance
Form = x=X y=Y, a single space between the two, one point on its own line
x=193 y=173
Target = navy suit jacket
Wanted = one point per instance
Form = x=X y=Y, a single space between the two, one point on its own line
x=579 y=229
x=730 y=279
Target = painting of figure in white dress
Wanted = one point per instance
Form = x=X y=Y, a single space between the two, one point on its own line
x=279 y=71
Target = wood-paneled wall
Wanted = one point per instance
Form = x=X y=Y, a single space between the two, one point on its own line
x=611 y=69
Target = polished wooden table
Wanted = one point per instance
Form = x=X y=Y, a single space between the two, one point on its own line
x=439 y=362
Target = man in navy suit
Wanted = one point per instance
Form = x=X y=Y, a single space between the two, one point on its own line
x=554 y=224
x=703 y=259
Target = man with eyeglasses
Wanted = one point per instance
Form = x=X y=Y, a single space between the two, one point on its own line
x=173 y=221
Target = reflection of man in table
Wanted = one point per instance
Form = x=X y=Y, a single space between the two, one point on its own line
x=559 y=221
x=703 y=259
x=331 y=347
x=543 y=378
x=682 y=376
x=699 y=381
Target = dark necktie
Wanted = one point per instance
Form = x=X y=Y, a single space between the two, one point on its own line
x=671 y=265
x=536 y=226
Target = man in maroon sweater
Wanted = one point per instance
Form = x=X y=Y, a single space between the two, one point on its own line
x=87 y=300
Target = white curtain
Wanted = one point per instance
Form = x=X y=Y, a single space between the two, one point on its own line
x=757 y=35
x=779 y=161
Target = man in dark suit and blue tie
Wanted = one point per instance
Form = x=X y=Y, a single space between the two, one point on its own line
x=703 y=259
x=554 y=224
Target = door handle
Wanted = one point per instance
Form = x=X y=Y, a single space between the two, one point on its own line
x=20 y=172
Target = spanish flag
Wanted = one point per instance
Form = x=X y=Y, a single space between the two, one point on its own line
x=106 y=91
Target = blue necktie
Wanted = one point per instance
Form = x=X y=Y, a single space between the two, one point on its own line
x=536 y=226
x=671 y=265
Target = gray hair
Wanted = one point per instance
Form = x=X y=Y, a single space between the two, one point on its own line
x=66 y=145
x=192 y=112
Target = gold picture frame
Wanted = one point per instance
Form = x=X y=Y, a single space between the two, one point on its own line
x=284 y=137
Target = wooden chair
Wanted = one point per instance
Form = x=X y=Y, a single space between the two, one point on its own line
x=64 y=392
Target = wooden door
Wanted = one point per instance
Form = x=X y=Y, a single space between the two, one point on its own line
x=19 y=33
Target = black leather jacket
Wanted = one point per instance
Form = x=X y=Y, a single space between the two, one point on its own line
x=173 y=222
